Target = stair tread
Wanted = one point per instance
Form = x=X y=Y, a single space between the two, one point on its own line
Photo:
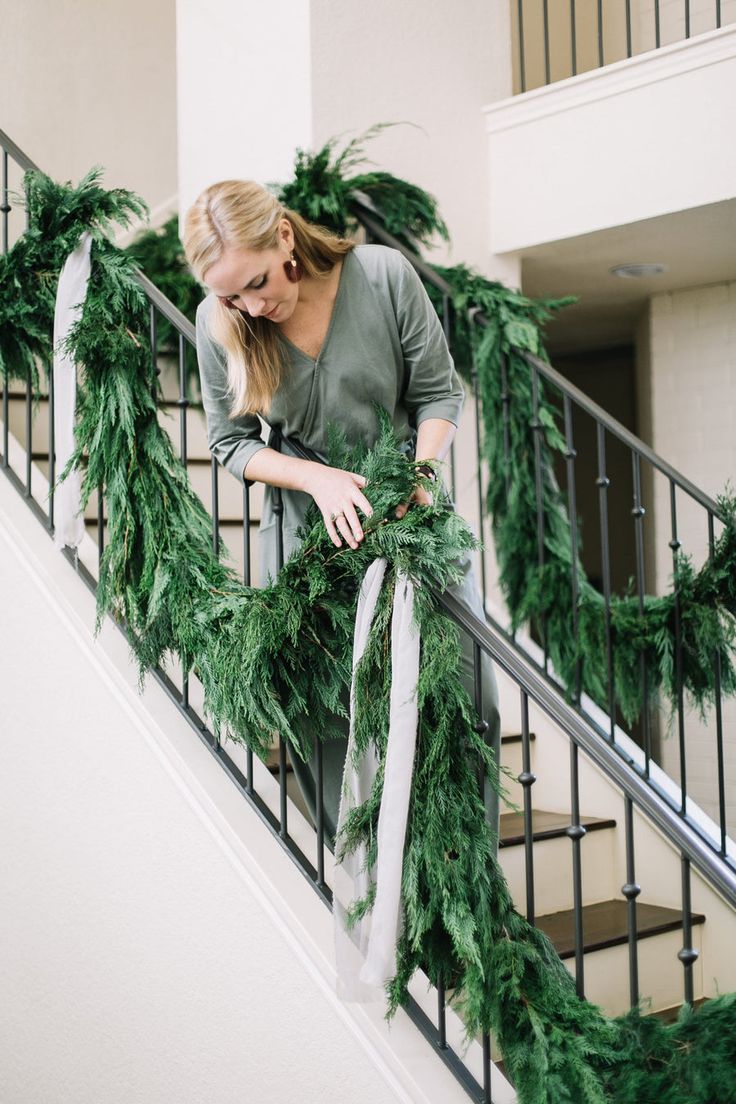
x=545 y=825
x=605 y=925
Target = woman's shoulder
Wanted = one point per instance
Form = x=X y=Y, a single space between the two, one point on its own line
x=380 y=262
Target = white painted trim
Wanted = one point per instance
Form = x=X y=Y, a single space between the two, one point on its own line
x=619 y=77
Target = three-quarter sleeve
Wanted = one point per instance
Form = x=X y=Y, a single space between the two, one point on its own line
x=433 y=388
x=233 y=441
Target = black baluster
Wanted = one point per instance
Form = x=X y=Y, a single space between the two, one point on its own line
x=657 y=38
x=283 y=826
x=572 y=507
x=441 y=1015
x=601 y=61
x=5 y=208
x=675 y=546
x=155 y=370
x=447 y=329
x=52 y=450
x=573 y=39
x=719 y=714
x=479 y=474
x=183 y=404
x=527 y=780
x=545 y=15
x=278 y=509
x=100 y=529
x=628 y=28
x=246 y=535
x=631 y=891
x=575 y=832
x=215 y=507
x=638 y=513
x=522 y=68
x=538 y=482
x=687 y=18
x=320 y=813
x=688 y=955
x=718 y=14
x=29 y=434
x=6 y=415
x=603 y=483
x=487 y=1098
x=506 y=421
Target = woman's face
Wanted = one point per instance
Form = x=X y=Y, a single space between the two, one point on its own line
x=254 y=280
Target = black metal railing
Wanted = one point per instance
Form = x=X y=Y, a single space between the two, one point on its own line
x=635 y=479
x=641 y=800
x=550 y=46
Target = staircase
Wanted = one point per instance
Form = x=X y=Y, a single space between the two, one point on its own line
x=638 y=905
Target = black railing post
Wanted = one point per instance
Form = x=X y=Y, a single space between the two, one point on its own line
x=527 y=779
x=638 y=513
x=718 y=701
x=576 y=832
x=538 y=430
x=675 y=546
x=631 y=891
x=603 y=483
x=688 y=955
x=572 y=509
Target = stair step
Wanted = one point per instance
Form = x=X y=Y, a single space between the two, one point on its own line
x=605 y=925
x=545 y=826
x=669 y=1015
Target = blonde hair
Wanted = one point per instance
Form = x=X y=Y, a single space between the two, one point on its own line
x=243 y=214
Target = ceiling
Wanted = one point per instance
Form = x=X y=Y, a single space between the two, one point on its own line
x=698 y=246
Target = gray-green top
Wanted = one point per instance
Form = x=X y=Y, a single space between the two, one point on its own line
x=384 y=344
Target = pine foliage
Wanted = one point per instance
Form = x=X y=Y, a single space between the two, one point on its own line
x=294 y=638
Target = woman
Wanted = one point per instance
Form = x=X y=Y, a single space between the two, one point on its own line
x=308 y=329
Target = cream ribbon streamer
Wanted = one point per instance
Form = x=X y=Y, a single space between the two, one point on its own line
x=366 y=952
x=70 y=296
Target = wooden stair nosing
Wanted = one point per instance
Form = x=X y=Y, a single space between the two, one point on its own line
x=607 y=925
x=545 y=826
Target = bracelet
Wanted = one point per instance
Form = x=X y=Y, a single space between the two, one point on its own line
x=427 y=471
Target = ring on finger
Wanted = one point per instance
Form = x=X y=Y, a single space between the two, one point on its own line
x=334 y=517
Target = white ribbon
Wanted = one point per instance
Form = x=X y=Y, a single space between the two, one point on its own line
x=70 y=296
x=366 y=952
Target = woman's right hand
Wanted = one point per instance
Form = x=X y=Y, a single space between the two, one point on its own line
x=338 y=495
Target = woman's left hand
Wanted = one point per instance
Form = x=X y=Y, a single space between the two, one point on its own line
x=420 y=496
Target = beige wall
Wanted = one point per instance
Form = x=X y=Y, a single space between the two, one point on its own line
x=435 y=65
x=692 y=340
x=88 y=82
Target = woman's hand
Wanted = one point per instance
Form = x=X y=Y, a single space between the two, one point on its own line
x=420 y=496
x=338 y=495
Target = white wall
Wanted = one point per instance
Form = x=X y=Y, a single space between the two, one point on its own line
x=615 y=146
x=88 y=82
x=244 y=91
x=252 y=88
x=156 y=944
x=692 y=340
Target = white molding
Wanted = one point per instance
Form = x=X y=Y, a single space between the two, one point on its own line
x=615 y=79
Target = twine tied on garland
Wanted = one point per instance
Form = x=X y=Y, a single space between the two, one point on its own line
x=374 y=934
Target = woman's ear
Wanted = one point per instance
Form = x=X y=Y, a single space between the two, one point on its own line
x=286 y=234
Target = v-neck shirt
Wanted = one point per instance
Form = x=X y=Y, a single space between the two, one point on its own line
x=384 y=344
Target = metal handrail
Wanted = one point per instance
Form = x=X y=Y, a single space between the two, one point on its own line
x=687 y=838
x=612 y=426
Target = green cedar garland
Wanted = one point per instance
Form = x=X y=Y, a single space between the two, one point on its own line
x=322 y=190
x=159 y=572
